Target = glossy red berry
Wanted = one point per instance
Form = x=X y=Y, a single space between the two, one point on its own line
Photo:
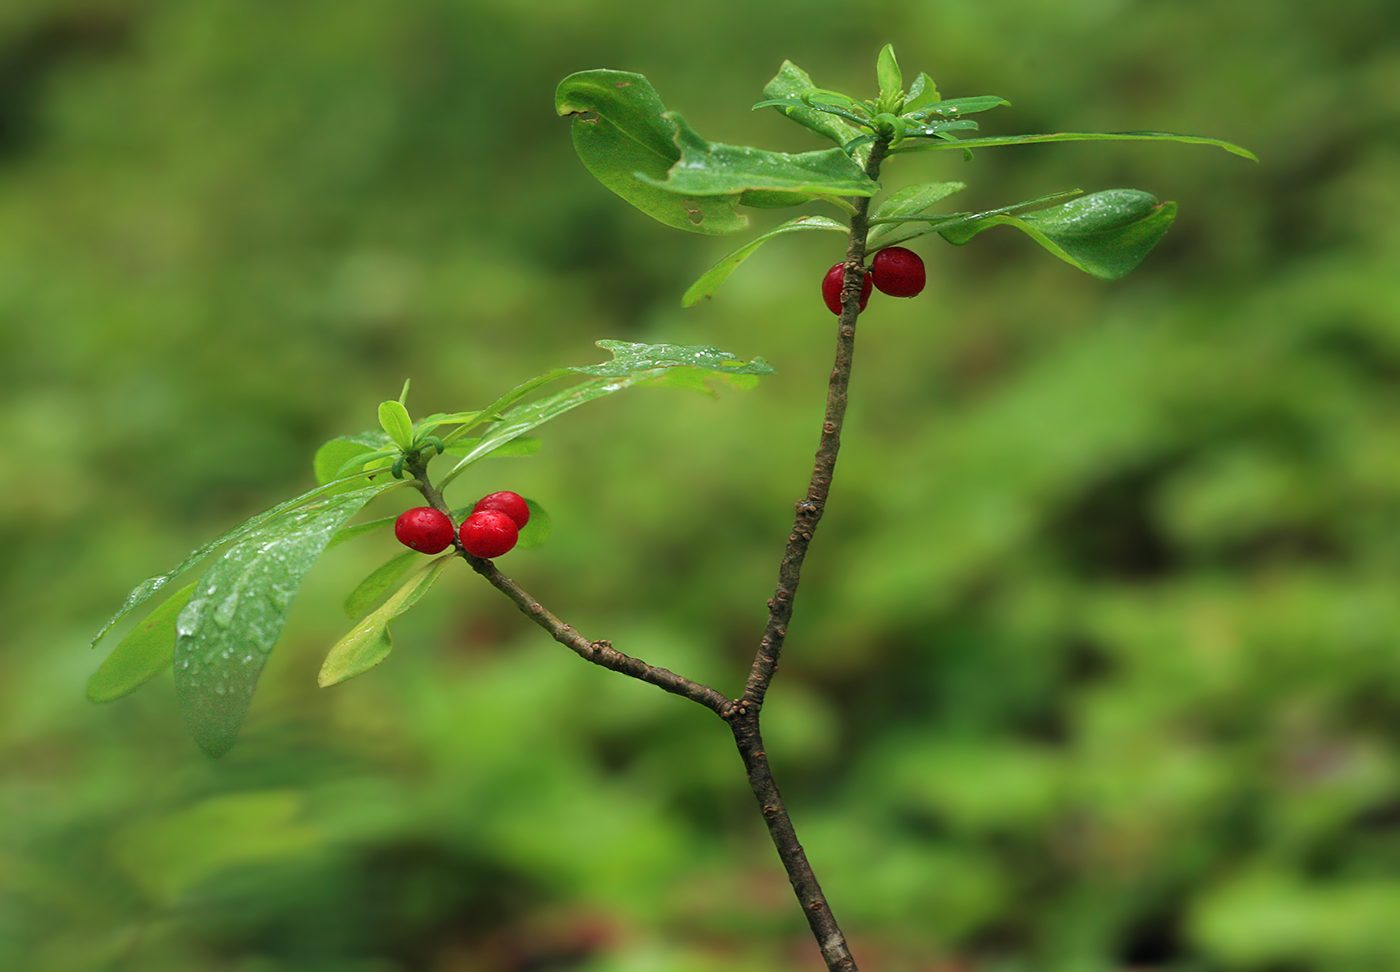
x=898 y=272
x=511 y=504
x=424 y=529
x=489 y=533
x=831 y=288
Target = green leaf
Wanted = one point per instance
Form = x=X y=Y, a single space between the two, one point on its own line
x=758 y=177
x=228 y=628
x=792 y=82
x=369 y=643
x=523 y=446
x=393 y=417
x=922 y=93
x=717 y=274
x=955 y=107
x=379 y=580
x=334 y=456
x=361 y=530
x=144 y=653
x=890 y=78
x=906 y=202
x=149 y=587
x=969 y=143
x=1105 y=234
x=621 y=134
x=632 y=364
x=537 y=529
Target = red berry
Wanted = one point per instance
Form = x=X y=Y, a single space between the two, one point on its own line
x=831 y=288
x=898 y=272
x=489 y=533
x=424 y=529
x=511 y=504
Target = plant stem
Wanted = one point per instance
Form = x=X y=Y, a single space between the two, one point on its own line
x=744 y=718
x=742 y=714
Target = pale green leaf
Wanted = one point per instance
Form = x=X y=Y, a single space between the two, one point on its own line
x=717 y=274
x=144 y=653
x=369 y=643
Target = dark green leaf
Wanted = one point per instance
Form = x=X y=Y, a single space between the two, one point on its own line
x=791 y=82
x=717 y=274
x=1105 y=234
x=228 y=628
x=758 y=177
x=379 y=580
x=369 y=643
x=968 y=143
x=144 y=653
x=623 y=137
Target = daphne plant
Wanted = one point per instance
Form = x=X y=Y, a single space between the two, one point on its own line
x=217 y=632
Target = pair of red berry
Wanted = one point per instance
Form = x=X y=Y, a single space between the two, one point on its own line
x=490 y=530
x=895 y=270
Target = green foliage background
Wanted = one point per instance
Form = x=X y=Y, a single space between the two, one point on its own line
x=1095 y=665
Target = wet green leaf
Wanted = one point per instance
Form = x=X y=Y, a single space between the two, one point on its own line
x=379 y=580
x=151 y=586
x=1105 y=234
x=621 y=134
x=956 y=107
x=632 y=364
x=144 y=653
x=717 y=274
x=758 y=177
x=791 y=82
x=369 y=642
x=228 y=628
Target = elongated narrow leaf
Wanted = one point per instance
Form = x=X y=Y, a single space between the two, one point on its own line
x=717 y=274
x=791 y=82
x=151 y=586
x=907 y=202
x=369 y=643
x=955 y=107
x=228 y=628
x=144 y=653
x=367 y=591
x=1105 y=234
x=758 y=177
x=632 y=364
x=621 y=134
x=971 y=143
x=523 y=446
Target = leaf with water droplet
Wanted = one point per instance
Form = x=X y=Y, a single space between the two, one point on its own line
x=632 y=364
x=225 y=633
x=1105 y=234
x=151 y=586
x=369 y=643
x=144 y=653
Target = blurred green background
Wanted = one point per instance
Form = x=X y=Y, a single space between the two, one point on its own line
x=1095 y=665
